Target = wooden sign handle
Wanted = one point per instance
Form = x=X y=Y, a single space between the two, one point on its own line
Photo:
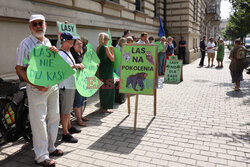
x=155 y=102
x=128 y=104
x=136 y=108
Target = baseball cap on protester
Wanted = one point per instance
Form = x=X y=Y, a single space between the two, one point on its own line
x=67 y=36
x=36 y=17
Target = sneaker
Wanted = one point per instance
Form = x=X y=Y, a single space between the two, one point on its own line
x=69 y=138
x=73 y=130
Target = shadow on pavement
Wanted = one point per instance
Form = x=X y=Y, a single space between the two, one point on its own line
x=201 y=80
x=17 y=155
x=120 y=139
x=241 y=137
x=238 y=93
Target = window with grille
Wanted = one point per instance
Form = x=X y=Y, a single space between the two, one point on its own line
x=156 y=8
x=138 y=4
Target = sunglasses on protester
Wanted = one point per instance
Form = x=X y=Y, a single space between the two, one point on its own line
x=34 y=24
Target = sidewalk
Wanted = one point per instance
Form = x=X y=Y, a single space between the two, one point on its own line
x=200 y=122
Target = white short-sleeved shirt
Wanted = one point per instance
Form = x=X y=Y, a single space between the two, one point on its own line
x=141 y=42
x=24 y=48
x=68 y=83
x=209 y=45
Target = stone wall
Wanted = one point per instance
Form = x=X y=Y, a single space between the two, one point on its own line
x=90 y=16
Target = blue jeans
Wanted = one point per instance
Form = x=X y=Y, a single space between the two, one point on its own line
x=79 y=99
x=161 y=62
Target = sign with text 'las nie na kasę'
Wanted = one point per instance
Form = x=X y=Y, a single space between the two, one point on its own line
x=173 y=72
x=138 y=69
x=46 y=68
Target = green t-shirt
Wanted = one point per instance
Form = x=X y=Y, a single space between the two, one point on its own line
x=221 y=49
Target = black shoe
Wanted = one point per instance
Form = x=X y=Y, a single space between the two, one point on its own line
x=69 y=138
x=73 y=130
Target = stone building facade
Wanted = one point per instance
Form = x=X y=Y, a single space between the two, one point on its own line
x=180 y=18
x=213 y=19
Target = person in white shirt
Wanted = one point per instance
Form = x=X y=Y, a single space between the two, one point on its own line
x=43 y=101
x=143 y=39
x=211 y=51
x=67 y=88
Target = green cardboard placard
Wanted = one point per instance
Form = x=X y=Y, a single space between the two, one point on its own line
x=159 y=44
x=118 y=55
x=116 y=77
x=89 y=45
x=138 y=67
x=173 y=57
x=85 y=77
x=62 y=27
x=173 y=71
x=87 y=83
x=91 y=60
x=47 y=68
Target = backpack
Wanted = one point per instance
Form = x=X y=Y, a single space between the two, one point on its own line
x=240 y=53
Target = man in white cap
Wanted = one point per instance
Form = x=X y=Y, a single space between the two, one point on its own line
x=43 y=101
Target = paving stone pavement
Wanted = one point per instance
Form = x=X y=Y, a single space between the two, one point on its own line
x=200 y=122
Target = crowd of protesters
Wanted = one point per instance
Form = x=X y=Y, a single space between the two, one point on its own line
x=44 y=111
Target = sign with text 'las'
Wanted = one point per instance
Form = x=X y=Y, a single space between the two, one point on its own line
x=138 y=69
x=173 y=72
x=47 y=68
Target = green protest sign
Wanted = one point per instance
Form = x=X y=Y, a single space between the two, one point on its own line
x=173 y=57
x=173 y=72
x=89 y=45
x=138 y=69
x=118 y=55
x=62 y=27
x=91 y=60
x=110 y=38
x=87 y=83
x=160 y=47
x=47 y=68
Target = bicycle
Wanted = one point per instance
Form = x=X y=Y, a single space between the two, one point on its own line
x=14 y=120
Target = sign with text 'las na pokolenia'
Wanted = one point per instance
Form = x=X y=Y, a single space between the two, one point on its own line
x=138 y=68
x=46 y=68
x=173 y=72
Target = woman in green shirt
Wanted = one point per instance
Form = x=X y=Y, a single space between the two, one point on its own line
x=106 y=56
x=220 y=54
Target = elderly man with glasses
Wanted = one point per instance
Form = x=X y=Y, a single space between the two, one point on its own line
x=43 y=101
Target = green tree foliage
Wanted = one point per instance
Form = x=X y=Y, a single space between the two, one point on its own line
x=239 y=22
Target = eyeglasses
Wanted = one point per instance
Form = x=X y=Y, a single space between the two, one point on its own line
x=34 y=24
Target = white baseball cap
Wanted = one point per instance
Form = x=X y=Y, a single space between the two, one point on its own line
x=36 y=17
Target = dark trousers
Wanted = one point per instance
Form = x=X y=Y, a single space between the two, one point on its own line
x=182 y=56
x=202 y=58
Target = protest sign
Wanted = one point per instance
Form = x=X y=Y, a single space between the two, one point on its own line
x=160 y=46
x=118 y=56
x=62 y=27
x=47 y=68
x=138 y=69
x=173 y=72
x=87 y=83
x=91 y=59
x=173 y=57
